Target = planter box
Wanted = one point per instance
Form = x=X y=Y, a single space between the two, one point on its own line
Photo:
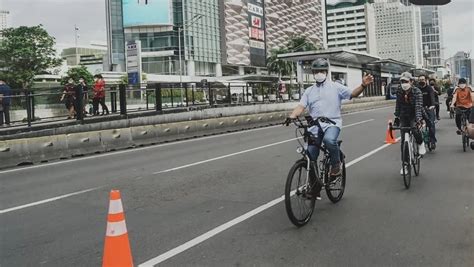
x=296 y=96
x=259 y=98
x=285 y=97
x=272 y=97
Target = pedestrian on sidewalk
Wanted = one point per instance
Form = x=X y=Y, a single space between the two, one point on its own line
x=5 y=102
x=69 y=96
x=99 y=95
x=82 y=90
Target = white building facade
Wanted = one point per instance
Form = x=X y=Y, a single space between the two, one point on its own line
x=398 y=31
x=3 y=20
x=351 y=25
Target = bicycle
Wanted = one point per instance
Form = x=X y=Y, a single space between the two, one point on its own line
x=464 y=136
x=410 y=155
x=307 y=176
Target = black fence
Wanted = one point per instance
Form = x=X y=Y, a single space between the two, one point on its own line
x=39 y=106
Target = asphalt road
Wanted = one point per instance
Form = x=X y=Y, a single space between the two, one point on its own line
x=227 y=191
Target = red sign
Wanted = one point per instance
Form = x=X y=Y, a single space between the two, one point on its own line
x=257 y=34
x=256 y=22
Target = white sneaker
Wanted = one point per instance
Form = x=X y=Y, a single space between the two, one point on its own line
x=406 y=170
x=422 y=149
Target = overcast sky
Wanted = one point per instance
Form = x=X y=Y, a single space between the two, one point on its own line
x=59 y=17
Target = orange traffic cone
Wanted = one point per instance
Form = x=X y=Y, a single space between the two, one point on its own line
x=390 y=135
x=117 y=247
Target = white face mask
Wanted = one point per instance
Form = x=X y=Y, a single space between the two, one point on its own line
x=320 y=77
x=462 y=85
x=406 y=86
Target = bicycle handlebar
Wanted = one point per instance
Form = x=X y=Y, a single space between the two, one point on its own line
x=311 y=121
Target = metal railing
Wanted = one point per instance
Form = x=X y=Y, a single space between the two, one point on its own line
x=40 y=106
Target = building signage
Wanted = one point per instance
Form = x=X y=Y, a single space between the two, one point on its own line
x=257 y=44
x=258 y=10
x=257 y=34
x=134 y=62
x=256 y=22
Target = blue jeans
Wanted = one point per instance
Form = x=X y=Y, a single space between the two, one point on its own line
x=430 y=122
x=330 y=141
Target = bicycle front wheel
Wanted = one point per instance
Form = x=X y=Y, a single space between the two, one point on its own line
x=299 y=202
x=406 y=165
x=465 y=141
x=335 y=189
x=416 y=160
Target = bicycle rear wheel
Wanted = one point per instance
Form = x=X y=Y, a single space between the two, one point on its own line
x=416 y=160
x=335 y=189
x=406 y=165
x=299 y=204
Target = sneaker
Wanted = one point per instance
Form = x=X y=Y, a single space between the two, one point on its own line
x=406 y=170
x=335 y=171
x=422 y=149
x=433 y=146
x=458 y=132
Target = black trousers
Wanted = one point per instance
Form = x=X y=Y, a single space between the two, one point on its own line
x=95 y=105
x=458 y=116
x=5 y=113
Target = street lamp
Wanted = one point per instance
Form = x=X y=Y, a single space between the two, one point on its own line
x=180 y=29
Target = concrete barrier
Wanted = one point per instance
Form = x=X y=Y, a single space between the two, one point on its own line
x=14 y=152
x=43 y=149
x=79 y=144
x=116 y=139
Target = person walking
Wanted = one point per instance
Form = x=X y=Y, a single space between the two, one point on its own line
x=437 y=91
x=81 y=96
x=69 y=96
x=5 y=102
x=99 y=95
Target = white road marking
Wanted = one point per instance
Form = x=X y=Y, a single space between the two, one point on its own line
x=106 y=154
x=244 y=151
x=195 y=241
x=185 y=166
x=47 y=200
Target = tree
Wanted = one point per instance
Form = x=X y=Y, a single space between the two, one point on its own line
x=78 y=72
x=276 y=65
x=300 y=44
x=25 y=52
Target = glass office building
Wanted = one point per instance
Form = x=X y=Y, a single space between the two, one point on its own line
x=115 y=37
x=200 y=37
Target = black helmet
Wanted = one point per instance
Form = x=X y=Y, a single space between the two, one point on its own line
x=462 y=80
x=320 y=64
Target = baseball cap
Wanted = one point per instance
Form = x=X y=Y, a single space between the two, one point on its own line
x=406 y=76
x=462 y=80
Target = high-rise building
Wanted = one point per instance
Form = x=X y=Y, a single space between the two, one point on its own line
x=115 y=36
x=432 y=38
x=432 y=35
x=243 y=36
x=285 y=19
x=351 y=24
x=398 y=31
x=218 y=37
x=461 y=66
x=3 y=20
x=157 y=25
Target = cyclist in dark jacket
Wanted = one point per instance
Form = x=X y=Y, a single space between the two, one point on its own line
x=409 y=110
x=437 y=91
x=429 y=104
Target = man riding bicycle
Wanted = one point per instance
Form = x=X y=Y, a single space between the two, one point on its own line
x=324 y=99
x=429 y=104
x=409 y=110
x=462 y=100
